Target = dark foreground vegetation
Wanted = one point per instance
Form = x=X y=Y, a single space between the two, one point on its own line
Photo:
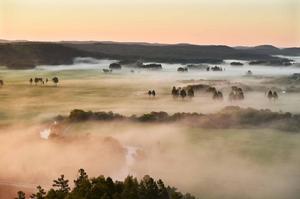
x=22 y=55
x=106 y=188
x=229 y=117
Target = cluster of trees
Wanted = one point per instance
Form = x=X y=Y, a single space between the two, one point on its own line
x=176 y=92
x=272 y=62
x=272 y=95
x=40 y=80
x=153 y=93
x=116 y=66
x=217 y=95
x=37 y=80
x=236 y=64
x=182 y=69
x=106 y=188
x=215 y=68
x=236 y=93
x=148 y=66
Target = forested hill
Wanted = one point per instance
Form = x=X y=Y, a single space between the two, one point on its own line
x=22 y=55
x=181 y=53
x=271 y=50
x=30 y=54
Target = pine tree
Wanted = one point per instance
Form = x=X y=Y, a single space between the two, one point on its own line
x=21 y=195
x=162 y=190
x=130 y=190
x=62 y=184
x=148 y=188
x=82 y=185
x=40 y=193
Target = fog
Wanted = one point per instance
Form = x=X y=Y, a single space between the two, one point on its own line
x=80 y=63
x=170 y=70
x=210 y=163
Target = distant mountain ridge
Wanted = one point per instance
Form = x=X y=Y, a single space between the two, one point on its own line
x=28 y=54
x=272 y=50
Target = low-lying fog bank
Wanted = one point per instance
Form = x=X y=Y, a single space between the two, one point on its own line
x=212 y=162
x=229 y=70
x=220 y=153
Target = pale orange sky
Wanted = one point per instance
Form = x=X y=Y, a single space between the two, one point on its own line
x=230 y=22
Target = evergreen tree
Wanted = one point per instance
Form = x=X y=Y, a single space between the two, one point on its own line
x=82 y=185
x=148 y=188
x=40 y=194
x=162 y=190
x=61 y=190
x=130 y=190
x=21 y=195
x=173 y=193
x=62 y=184
x=110 y=187
x=99 y=187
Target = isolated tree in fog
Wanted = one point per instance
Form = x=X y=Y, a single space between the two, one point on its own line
x=82 y=185
x=62 y=184
x=82 y=178
x=41 y=193
x=21 y=195
x=174 y=91
x=60 y=189
x=55 y=80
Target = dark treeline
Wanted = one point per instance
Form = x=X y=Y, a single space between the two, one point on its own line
x=105 y=188
x=229 y=117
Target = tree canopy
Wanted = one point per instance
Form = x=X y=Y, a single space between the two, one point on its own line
x=105 y=188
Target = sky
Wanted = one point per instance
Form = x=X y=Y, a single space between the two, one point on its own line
x=222 y=22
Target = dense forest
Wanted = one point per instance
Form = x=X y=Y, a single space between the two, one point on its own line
x=105 y=188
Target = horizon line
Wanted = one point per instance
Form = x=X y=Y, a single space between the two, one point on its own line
x=141 y=42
